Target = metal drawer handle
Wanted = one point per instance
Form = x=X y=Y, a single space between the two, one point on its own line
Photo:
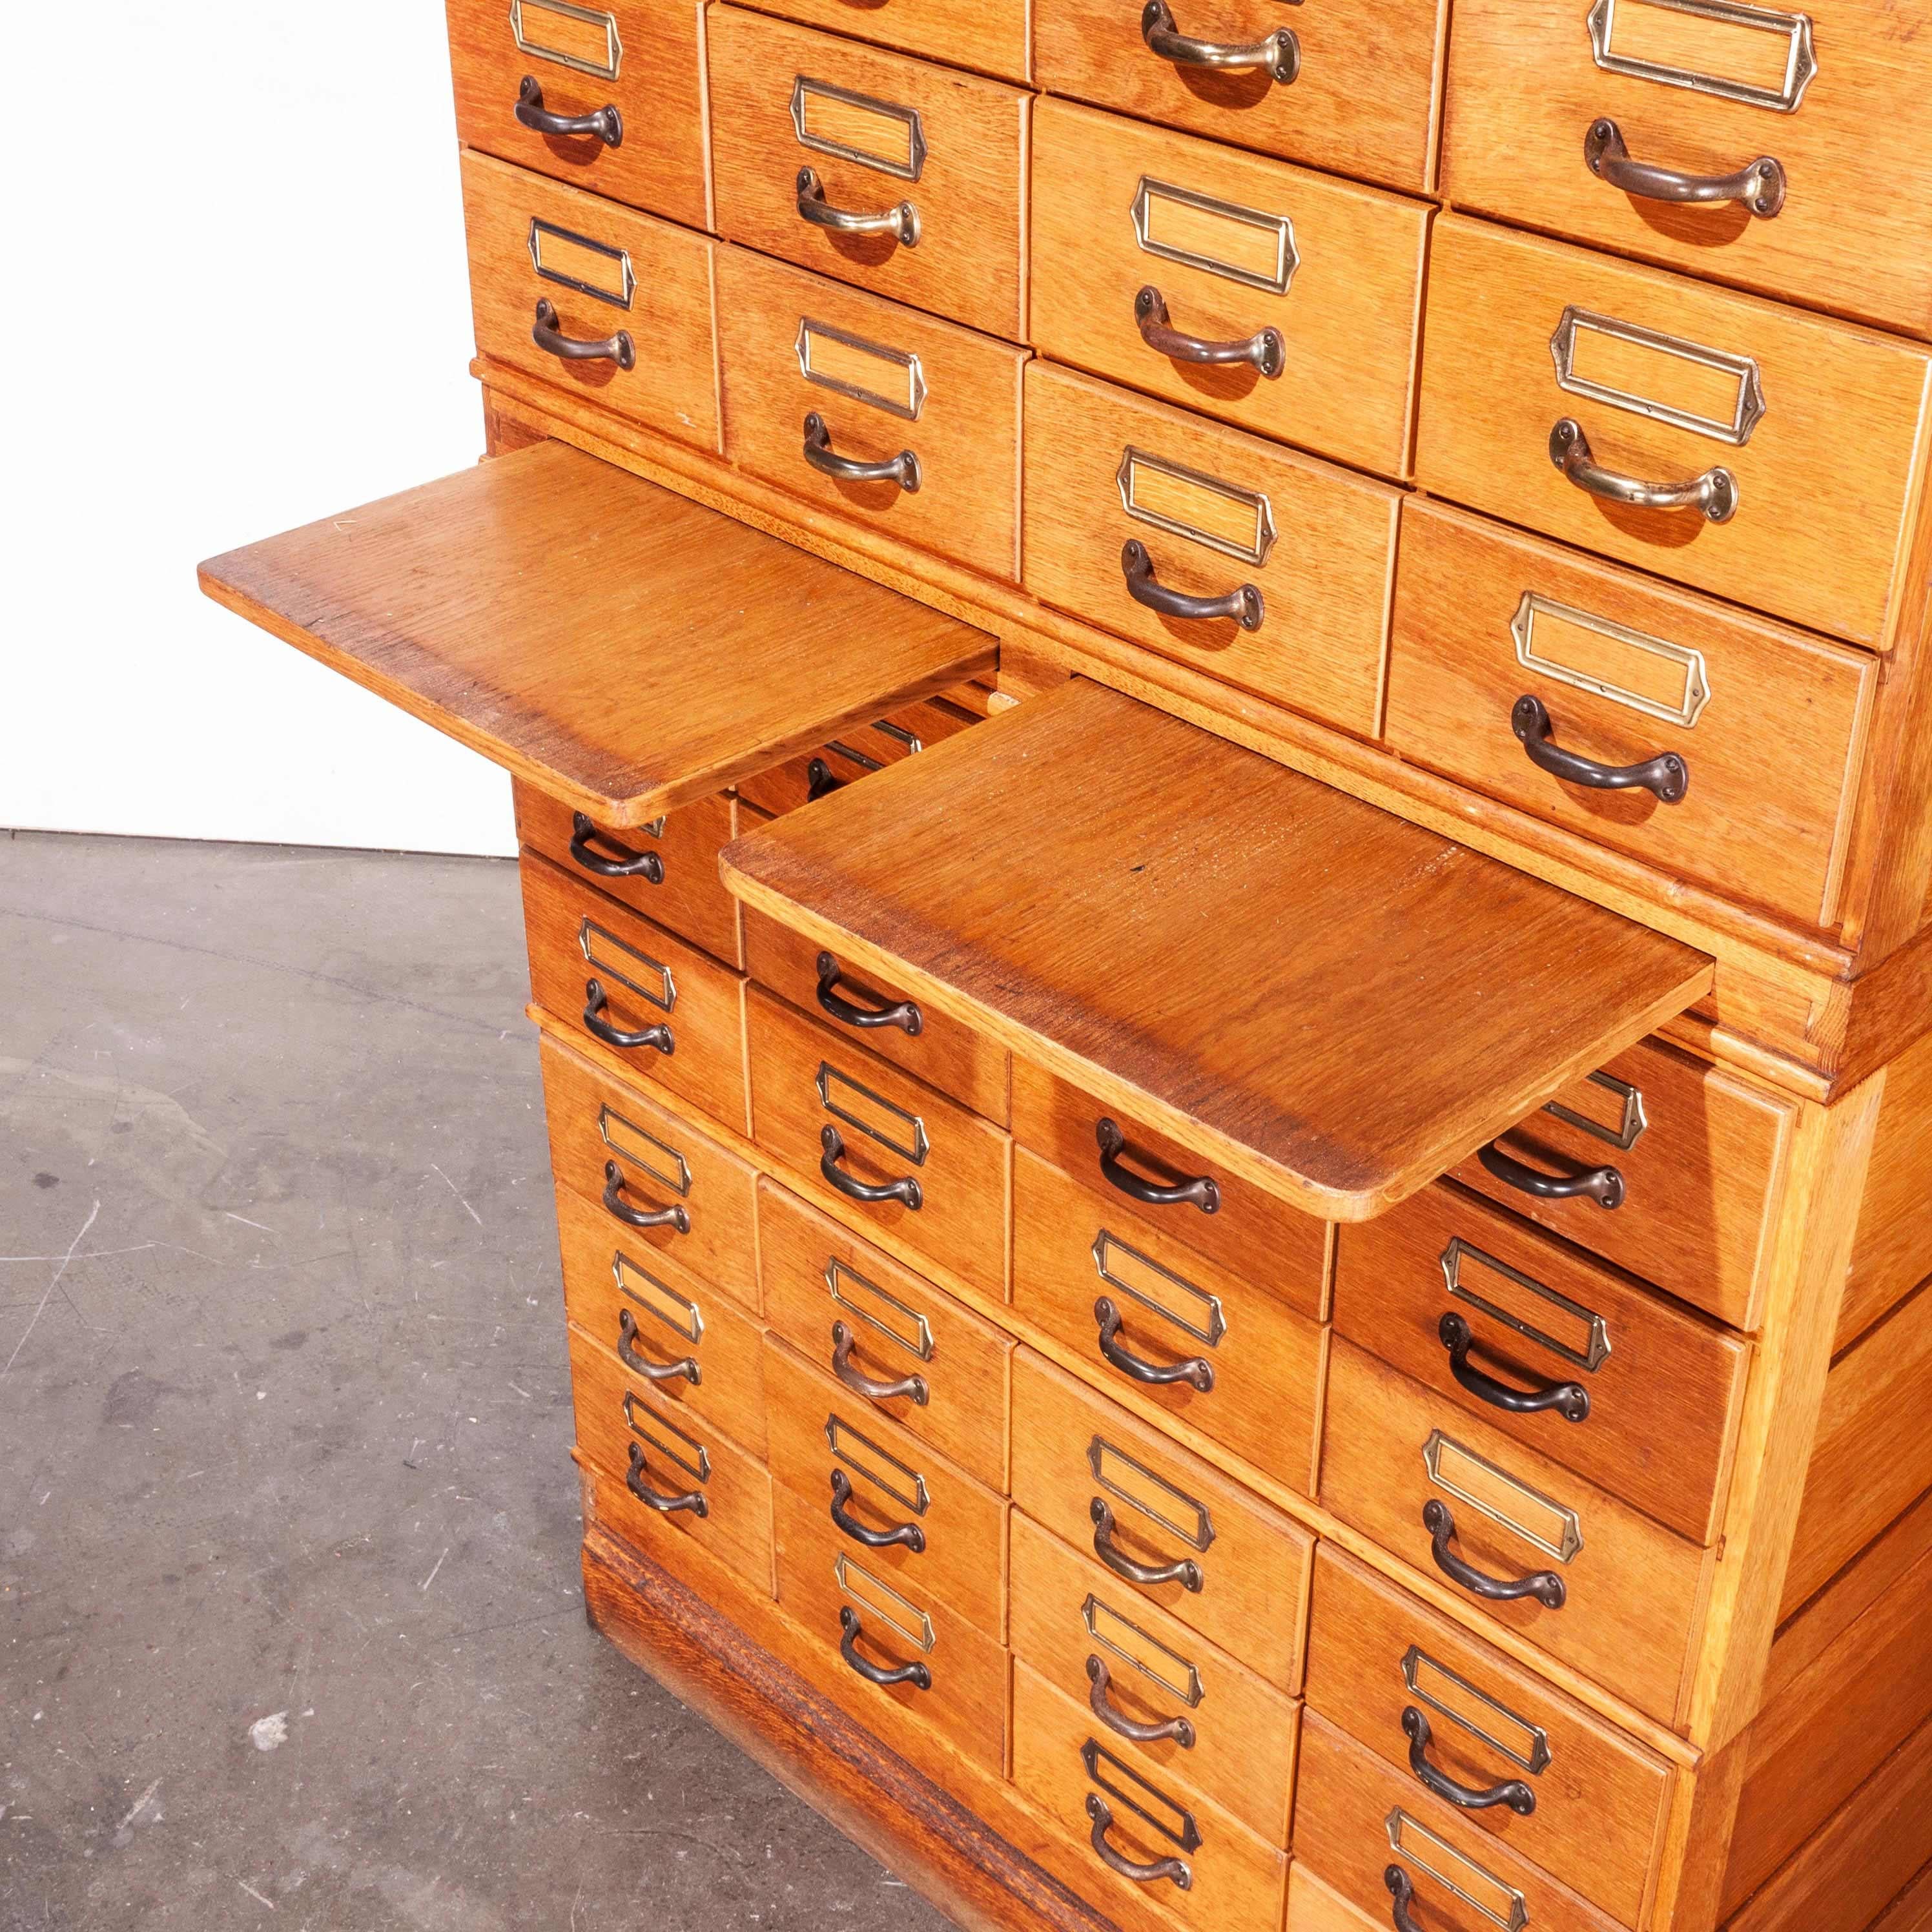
x=1176 y=1869
x=1545 y=1586
x=1603 y=1185
x=1401 y=1896
x=907 y=1535
x=1186 y=1572
x=902 y=469
x=901 y=222
x=1666 y=776
x=1264 y=350
x=1179 y=1730
x=1244 y=603
x=860 y=1383
x=627 y=865
x=1760 y=185
x=595 y=1001
x=1196 y=1371
x=606 y=125
x=614 y=1184
x=548 y=336
x=904 y=1190
x=692 y=1500
x=916 y=1675
x=1512 y=1792
x=685 y=1370
x=902 y=1014
x=1571 y=1400
x=821 y=781
x=1201 y=1192
x=1713 y=494
x=1279 y=53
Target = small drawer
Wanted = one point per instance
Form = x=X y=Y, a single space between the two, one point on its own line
x=1615 y=1594
x=634 y=74
x=679 y=1472
x=667 y=870
x=910 y=424
x=1216 y=518
x=900 y=1346
x=943 y=1052
x=988 y=35
x=1641 y=1398
x=877 y=1148
x=613 y=305
x=1562 y=387
x=1706 y=742
x=855 y=753
x=1450 y=1713
x=676 y=1336
x=672 y=1015
x=936 y=1664
x=1553 y=111
x=1148 y=244
x=1092 y=1638
x=1219 y=1353
x=893 y=1502
x=1230 y=1567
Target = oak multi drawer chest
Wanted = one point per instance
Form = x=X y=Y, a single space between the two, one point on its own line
x=1223 y=752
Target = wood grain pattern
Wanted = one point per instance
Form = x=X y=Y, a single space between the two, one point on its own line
x=1893 y=1251
x=988 y=35
x=1313 y=1905
x=859 y=749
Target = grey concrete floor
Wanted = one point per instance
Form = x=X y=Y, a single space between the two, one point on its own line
x=291 y=1635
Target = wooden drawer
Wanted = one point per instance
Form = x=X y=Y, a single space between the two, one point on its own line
x=883 y=383
x=1702 y=1172
x=1363 y=100
x=659 y=1452
x=854 y=753
x=642 y=68
x=1068 y=1613
x=647 y=979
x=599 y=273
x=1624 y=1597
x=1835 y=94
x=867 y=1477
x=1672 y=381
x=859 y=1605
x=846 y=1306
x=1214 y=1872
x=1102 y=1481
x=1215 y=514
x=941 y=1051
x=812 y=1092
x=989 y=35
x=941 y=154
x=1656 y=1393
x=668 y=869
x=1235 y=246
x=1375 y=1654
x=677 y=1336
x=1240 y=1365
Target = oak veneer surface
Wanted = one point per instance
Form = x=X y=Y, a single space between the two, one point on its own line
x=1339 y=1003
x=618 y=646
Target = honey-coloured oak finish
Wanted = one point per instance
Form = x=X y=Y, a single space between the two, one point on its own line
x=989 y=36
x=857 y=750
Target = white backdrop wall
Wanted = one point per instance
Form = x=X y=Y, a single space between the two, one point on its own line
x=238 y=302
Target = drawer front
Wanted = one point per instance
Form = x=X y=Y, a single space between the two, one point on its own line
x=943 y=1051
x=667 y=870
x=683 y=1473
x=582 y=270
x=1235 y=246
x=1104 y=1483
x=881 y=385
x=1097 y=1642
x=641 y=69
x=1250 y=1233
x=676 y=1336
x=1673 y=383
x=1766 y=725
x=1376 y=1655
x=822 y=1107
x=1700 y=1156
x=1834 y=94
x=1642 y=1399
x=870 y=1481
x=855 y=753
x=936 y=159
x=1622 y=1598
x=900 y=1347
x=1216 y=514
x=1224 y=1355
x=1363 y=99
x=646 y=982
x=989 y=35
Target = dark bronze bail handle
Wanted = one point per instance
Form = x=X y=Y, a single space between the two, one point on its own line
x=1712 y=492
x=1545 y=1586
x=905 y=1190
x=1242 y=603
x=1196 y=1371
x=639 y=1217
x=1265 y=350
x=595 y=1000
x=606 y=125
x=1175 y=1870
x=901 y=1013
x=901 y=223
x=902 y=469
x=1571 y=1400
x=1278 y=55
x=626 y=864
x=1603 y=1185
x=1186 y=1572
x=1759 y=185
x=1176 y=1730
x=1401 y=1896
x=901 y=1535
x=1667 y=777
x=1512 y=1792
x=692 y=1500
x=1200 y=1192
x=821 y=781
x=916 y=1675
x=843 y=1342
x=685 y=1369
x=548 y=334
